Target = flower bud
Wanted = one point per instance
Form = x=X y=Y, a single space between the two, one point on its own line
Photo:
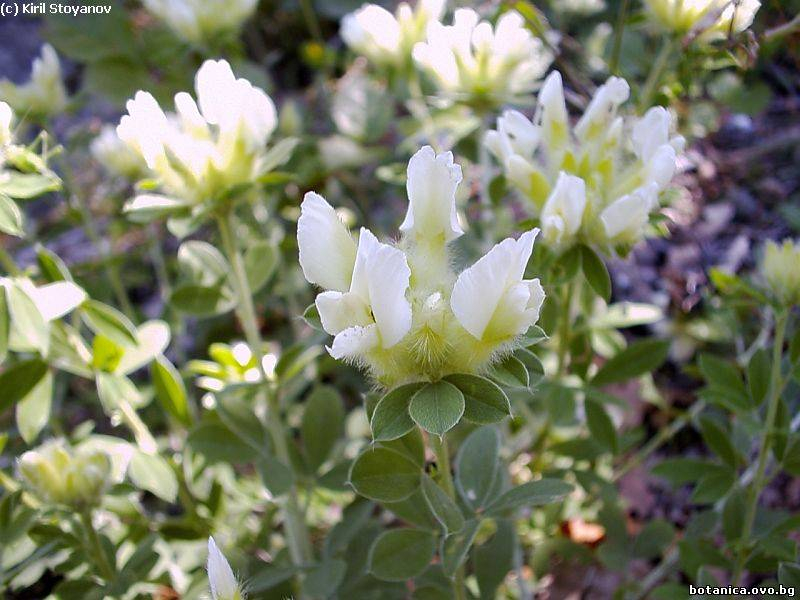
x=116 y=156
x=779 y=269
x=44 y=94
x=716 y=18
x=221 y=579
x=57 y=474
x=201 y=22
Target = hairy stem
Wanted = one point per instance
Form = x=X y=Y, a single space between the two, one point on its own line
x=296 y=533
x=653 y=81
x=759 y=480
x=565 y=320
x=95 y=548
x=439 y=445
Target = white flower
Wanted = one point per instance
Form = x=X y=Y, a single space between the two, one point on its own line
x=327 y=251
x=779 y=269
x=375 y=311
x=115 y=155
x=44 y=94
x=431 y=186
x=572 y=175
x=472 y=61
x=385 y=38
x=210 y=145
x=491 y=300
x=220 y=575
x=715 y=17
x=202 y=21
x=562 y=214
x=6 y=117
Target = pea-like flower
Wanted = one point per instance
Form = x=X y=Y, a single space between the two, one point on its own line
x=779 y=270
x=596 y=182
x=716 y=18
x=210 y=146
x=400 y=310
x=221 y=579
x=44 y=94
x=117 y=157
x=58 y=474
x=387 y=39
x=200 y=22
x=474 y=63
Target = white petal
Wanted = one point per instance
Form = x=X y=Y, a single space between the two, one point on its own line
x=327 y=251
x=650 y=132
x=338 y=311
x=431 y=186
x=214 y=82
x=661 y=166
x=627 y=215
x=354 y=342
x=220 y=576
x=566 y=202
x=388 y=278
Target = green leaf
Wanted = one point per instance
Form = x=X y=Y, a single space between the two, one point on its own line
x=637 y=359
x=5 y=325
x=789 y=575
x=456 y=546
x=653 y=540
x=594 y=269
x=723 y=377
x=202 y=301
x=52 y=267
x=714 y=484
x=106 y=320
x=33 y=411
x=170 y=390
x=758 y=375
x=24 y=186
x=510 y=372
x=478 y=467
x=718 y=440
x=386 y=475
x=18 y=380
x=152 y=339
x=11 y=220
x=217 y=443
x=202 y=263
x=401 y=554
x=494 y=559
x=533 y=493
x=437 y=407
x=311 y=317
x=733 y=515
x=442 y=506
x=390 y=419
x=484 y=401
x=680 y=471
x=106 y=355
x=322 y=425
x=152 y=473
x=277 y=477
x=601 y=426
x=260 y=262
x=26 y=320
x=567 y=265
x=322 y=580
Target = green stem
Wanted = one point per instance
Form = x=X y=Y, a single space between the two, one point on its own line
x=95 y=548
x=653 y=81
x=565 y=320
x=763 y=453
x=418 y=106
x=440 y=450
x=311 y=21
x=782 y=31
x=619 y=29
x=8 y=263
x=296 y=533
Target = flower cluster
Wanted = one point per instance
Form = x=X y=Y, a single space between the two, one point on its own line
x=57 y=474
x=44 y=94
x=387 y=39
x=472 y=62
x=400 y=310
x=779 y=270
x=716 y=18
x=596 y=182
x=209 y=146
x=117 y=157
x=202 y=21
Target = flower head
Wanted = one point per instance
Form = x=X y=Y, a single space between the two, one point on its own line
x=473 y=62
x=209 y=146
x=221 y=579
x=58 y=474
x=44 y=94
x=116 y=156
x=400 y=310
x=6 y=118
x=716 y=18
x=387 y=39
x=779 y=270
x=201 y=21
x=596 y=182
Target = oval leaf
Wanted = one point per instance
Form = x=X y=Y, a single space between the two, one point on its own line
x=437 y=407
